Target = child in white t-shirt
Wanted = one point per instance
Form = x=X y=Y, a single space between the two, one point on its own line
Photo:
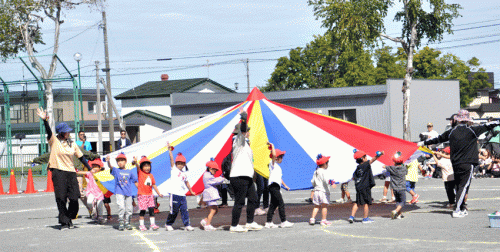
x=180 y=183
x=275 y=182
x=321 y=197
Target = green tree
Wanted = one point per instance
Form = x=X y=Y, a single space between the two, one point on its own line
x=321 y=65
x=361 y=22
x=389 y=64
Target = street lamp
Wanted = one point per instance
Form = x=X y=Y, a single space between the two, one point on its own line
x=78 y=56
x=236 y=86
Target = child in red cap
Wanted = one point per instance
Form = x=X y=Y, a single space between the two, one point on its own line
x=211 y=194
x=363 y=180
x=321 y=195
x=275 y=182
x=125 y=180
x=398 y=183
x=145 y=196
x=94 y=195
x=180 y=183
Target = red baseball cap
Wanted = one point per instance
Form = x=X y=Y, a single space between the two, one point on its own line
x=213 y=164
x=121 y=155
x=447 y=150
x=144 y=159
x=180 y=158
x=359 y=154
x=96 y=161
x=278 y=153
x=320 y=159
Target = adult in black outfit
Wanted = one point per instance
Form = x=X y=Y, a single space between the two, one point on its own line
x=464 y=154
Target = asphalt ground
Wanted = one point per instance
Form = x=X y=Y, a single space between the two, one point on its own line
x=28 y=222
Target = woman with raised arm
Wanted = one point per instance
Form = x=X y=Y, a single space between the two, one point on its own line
x=62 y=150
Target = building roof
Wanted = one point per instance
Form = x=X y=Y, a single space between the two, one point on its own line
x=189 y=99
x=166 y=88
x=150 y=114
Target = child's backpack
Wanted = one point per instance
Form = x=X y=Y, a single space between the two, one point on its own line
x=226 y=165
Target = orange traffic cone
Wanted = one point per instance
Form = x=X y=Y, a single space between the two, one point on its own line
x=50 y=185
x=1 y=186
x=13 y=185
x=30 y=187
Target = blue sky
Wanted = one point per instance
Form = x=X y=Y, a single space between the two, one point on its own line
x=192 y=32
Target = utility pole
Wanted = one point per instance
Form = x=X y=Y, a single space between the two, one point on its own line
x=248 y=77
x=108 y=82
x=99 y=114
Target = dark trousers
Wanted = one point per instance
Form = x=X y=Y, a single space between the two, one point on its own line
x=178 y=203
x=66 y=187
x=463 y=176
x=224 y=189
x=276 y=201
x=449 y=186
x=243 y=188
x=262 y=190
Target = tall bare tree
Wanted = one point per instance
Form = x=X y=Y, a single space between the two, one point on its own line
x=20 y=31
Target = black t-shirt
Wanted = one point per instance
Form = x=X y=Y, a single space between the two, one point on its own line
x=363 y=176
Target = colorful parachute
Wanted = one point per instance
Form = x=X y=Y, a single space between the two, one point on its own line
x=302 y=134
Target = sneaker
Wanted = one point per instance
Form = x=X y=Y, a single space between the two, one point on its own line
x=400 y=216
x=325 y=223
x=169 y=228
x=71 y=226
x=203 y=222
x=351 y=219
x=465 y=212
x=340 y=201
x=367 y=220
x=142 y=228
x=253 y=226
x=209 y=228
x=383 y=200
x=458 y=214
x=312 y=221
x=121 y=227
x=64 y=227
x=189 y=228
x=394 y=214
x=154 y=227
x=286 y=224
x=128 y=226
x=259 y=211
x=270 y=225
x=237 y=229
x=102 y=221
x=414 y=200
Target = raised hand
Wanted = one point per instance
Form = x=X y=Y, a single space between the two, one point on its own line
x=42 y=114
x=240 y=110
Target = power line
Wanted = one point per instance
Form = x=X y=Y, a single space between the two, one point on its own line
x=472 y=44
x=88 y=28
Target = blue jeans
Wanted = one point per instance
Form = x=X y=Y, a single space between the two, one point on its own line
x=410 y=186
x=178 y=203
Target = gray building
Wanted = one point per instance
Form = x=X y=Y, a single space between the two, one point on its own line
x=378 y=107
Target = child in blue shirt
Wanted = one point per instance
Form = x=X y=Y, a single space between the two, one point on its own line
x=124 y=182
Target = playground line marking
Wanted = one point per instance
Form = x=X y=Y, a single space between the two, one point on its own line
x=147 y=241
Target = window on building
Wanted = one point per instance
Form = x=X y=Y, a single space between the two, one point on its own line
x=15 y=112
x=92 y=106
x=344 y=114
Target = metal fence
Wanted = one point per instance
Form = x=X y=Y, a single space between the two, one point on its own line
x=21 y=165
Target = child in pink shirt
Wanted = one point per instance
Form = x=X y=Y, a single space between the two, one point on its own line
x=94 y=195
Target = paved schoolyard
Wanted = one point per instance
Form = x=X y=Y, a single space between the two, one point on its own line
x=29 y=223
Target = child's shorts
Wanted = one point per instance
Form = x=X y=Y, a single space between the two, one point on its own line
x=400 y=196
x=320 y=197
x=211 y=203
x=106 y=200
x=388 y=179
x=364 y=197
x=146 y=201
